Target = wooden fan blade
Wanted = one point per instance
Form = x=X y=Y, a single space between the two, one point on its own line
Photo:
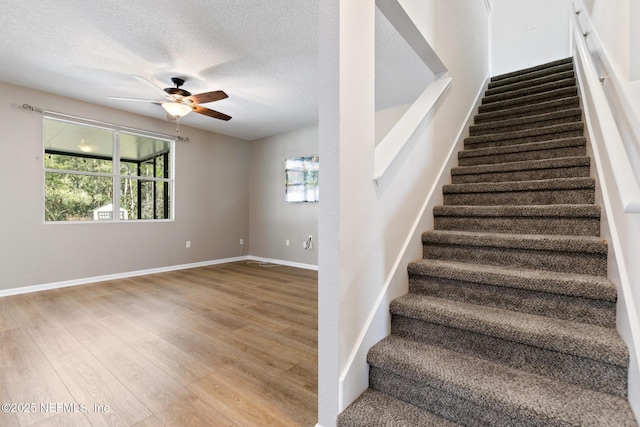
x=203 y=98
x=153 y=101
x=211 y=113
x=152 y=85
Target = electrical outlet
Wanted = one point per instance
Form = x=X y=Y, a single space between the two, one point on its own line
x=286 y=242
x=308 y=244
x=242 y=241
x=188 y=244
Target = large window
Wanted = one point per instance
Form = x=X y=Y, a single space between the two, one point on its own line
x=94 y=173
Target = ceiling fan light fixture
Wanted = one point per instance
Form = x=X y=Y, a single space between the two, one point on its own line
x=176 y=109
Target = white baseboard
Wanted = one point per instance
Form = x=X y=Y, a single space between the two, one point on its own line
x=95 y=279
x=282 y=262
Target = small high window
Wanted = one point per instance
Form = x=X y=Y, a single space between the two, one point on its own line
x=301 y=179
x=94 y=173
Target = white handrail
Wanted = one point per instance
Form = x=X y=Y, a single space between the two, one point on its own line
x=624 y=175
x=392 y=144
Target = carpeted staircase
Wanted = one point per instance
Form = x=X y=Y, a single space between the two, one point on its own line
x=510 y=318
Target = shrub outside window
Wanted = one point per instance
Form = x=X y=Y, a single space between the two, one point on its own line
x=96 y=173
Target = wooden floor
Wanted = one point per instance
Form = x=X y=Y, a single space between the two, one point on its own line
x=225 y=345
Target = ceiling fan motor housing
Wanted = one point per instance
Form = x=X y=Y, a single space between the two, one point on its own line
x=176 y=90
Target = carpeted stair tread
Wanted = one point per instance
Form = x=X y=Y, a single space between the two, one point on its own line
x=545 y=87
x=567 y=74
x=522 y=123
x=529 y=99
x=560 y=253
x=558 y=366
x=563 y=147
x=567 y=219
x=375 y=409
x=534 y=185
x=526 y=165
x=528 y=109
x=524 y=398
x=533 y=72
x=577 y=285
x=539 y=242
x=545 y=133
x=567 y=211
x=579 y=339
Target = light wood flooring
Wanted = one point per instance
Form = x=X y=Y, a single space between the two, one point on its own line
x=225 y=345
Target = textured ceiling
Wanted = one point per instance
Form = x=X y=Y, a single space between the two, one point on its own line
x=263 y=54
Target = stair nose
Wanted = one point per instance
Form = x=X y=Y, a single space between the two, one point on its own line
x=554 y=76
x=539 y=134
x=531 y=90
x=529 y=99
x=539 y=192
x=478 y=392
x=579 y=339
x=532 y=72
x=575 y=285
x=575 y=220
x=539 y=169
x=375 y=409
x=544 y=106
x=534 y=121
x=566 y=254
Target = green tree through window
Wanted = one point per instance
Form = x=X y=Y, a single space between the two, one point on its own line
x=95 y=173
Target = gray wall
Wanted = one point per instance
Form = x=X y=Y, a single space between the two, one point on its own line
x=211 y=202
x=273 y=221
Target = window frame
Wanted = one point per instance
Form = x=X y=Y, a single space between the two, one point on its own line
x=117 y=176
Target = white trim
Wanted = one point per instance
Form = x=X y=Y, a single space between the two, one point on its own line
x=402 y=22
x=282 y=262
x=354 y=373
x=95 y=279
x=392 y=144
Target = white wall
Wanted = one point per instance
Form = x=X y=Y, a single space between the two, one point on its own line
x=211 y=202
x=527 y=33
x=363 y=228
x=272 y=221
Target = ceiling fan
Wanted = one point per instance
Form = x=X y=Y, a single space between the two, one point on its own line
x=178 y=102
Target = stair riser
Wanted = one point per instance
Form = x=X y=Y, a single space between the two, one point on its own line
x=533 y=90
x=528 y=110
x=520 y=156
x=587 y=373
x=568 y=262
x=531 y=99
x=501 y=141
x=530 y=83
x=496 y=128
x=520 y=225
x=520 y=198
x=524 y=175
x=446 y=404
x=595 y=312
